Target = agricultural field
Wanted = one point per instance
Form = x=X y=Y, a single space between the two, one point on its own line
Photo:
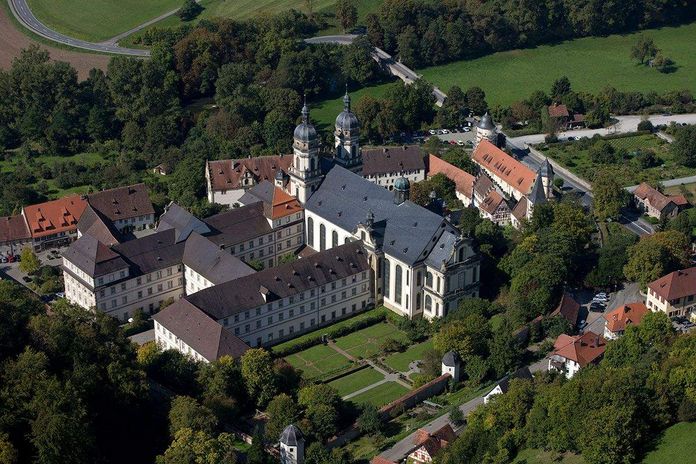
x=381 y=395
x=575 y=156
x=400 y=361
x=514 y=75
x=355 y=381
x=366 y=342
x=318 y=361
x=98 y=20
x=675 y=445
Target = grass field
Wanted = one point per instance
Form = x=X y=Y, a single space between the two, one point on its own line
x=324 y=113
x=572 y=156
x=535 y=456
x=318 y=361
x=590 y=63
x=355 y=381
x=98 y=20
x=381 y=395
x=365 y=342
x=676 y=445
x=400 y=361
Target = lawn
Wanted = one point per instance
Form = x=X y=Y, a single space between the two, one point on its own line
x=675 y=445
x=576 y=158
x=381 y=395
x=355 y=381
x=365 y=342
x=536 y=456
x=318 y=361
x=400 y=361
x=98 y=20
x=590 y=63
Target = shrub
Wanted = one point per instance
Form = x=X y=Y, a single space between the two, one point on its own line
x=189 y=10
x=646 y=126
x=392 y=345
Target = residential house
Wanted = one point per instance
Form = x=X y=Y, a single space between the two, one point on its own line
x=384 y=166
x=618 y=319
x=572 y=353
x=674 y=294
x=14 y=233
x=565 y=119
x=429 y=444
x=568 y=309
x=658 y=205
x=503 y=386
x=54 y=223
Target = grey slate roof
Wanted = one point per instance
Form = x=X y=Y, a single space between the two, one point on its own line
x=521 y=373
x=207 y=259
x=537 y=195
x=305 y=131
x=238 y=225
x=546 y=168
x=286 y=280
x=409 y=230
x=346 y=120
x=152 y=252
x=291 y=436
x=94 y=224
x=263 y=191
x=93 y=257
x=177 y=218
x=122 y=202
x=442 y=252
x=450 y=359
x=486 y=122
x=200 y=332
x=392 y=159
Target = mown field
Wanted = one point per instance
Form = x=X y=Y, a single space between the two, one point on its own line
x=366 y=342
x=576 y=158
x=381 y=395
x=676 y=445
x=356 y=381
x=98 y=20
x=590 y=63
x=318 y=361
x=400 y=361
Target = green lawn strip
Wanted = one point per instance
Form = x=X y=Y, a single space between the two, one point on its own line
x=355 y=381
x=328 y=329
x=365 y=342
x=98 y=20
x=324 y=113
x=521 y=72
x=536 y=456
x=381 y=395
x=577 y=159
x=400 y=361
x=675 y=445
x=317 y=361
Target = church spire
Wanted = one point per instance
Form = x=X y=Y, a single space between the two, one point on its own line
x=346 y=100
x=305 y=111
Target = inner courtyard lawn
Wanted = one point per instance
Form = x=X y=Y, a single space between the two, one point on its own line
x=318 y=361
x=381 y=395
x=355 y=381
x=98 y=20
x=366 y=342
x=400 y=361
x=590 y=63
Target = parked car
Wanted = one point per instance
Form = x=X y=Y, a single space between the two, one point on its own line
x=26 y=279
x=597 y=307
x=445 y=131
x=582 y=325
x=60 y=295
x=3 y=259
x=452 y=142
x=460 y=143
x=432 y=131
x=467 y=129
x=571 y=138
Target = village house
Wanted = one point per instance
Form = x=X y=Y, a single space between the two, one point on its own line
x=565 y=119
x=673 y=294
x=657 y=205
x=503 y=386
x=618 y=319
x=428 y=444
x=54 y=223
x=572 y=353
x=568 y=309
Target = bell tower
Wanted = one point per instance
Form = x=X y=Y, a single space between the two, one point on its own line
x=305 y=173
x=347 y=139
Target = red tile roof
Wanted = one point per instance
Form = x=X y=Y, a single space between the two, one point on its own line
x=520 y=209
x=284 y=204
x=623 y=316
x=504 y=166
x=558 y=111
x=656 y=199
x=434 y=442
x=491 y=203
x=674 y=285
x=54 y=216
x=228 y=174
x=462 y=179
x=381 y=460
x=13 y=228
x=568 y=308
x=583 y=349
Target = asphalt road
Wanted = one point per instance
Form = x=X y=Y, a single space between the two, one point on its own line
x=21 y=11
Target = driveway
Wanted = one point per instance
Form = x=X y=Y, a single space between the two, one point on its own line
x=630 y=293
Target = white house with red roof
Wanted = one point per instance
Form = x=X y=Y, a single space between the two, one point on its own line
x=572 y=353
x=429 y=444
x=620 y=318
x=673 y=294
x=658 y=205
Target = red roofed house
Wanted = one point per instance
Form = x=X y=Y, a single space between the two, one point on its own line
x=227 y=180
x=572 y=353
x=674 y=294
x=564 y=118
x=463 y=180
x=54 y=222
x=513 y=177
x=568 y=309
x=657 y=205
x=618 y=319
x=14 y=232
x=429 y=444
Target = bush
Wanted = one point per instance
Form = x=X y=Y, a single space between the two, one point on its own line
x=392 y=345
x=646 y=126
x=456 y=415
x=551 y=138
x=189 y=10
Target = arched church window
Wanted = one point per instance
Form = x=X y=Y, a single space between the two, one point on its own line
x=428 y=304
x=322 y=237
x=429 y=280
x=310 y=232
x=334 y=239
x=397 y=284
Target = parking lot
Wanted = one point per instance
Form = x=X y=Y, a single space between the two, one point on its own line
x=630 y=293
x=9 y=270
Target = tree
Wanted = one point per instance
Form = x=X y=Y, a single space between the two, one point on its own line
x=358 y=63
x=684 y=146
x=282 y=411
x=191 y=446
x=29 y=263
x=608 y=196
x=504 y=348
x=466 y=336
x=560 y=88
x=456 y=415
x=347 y=14
x=324 y=421
x=409 y=47
x=656 y=255
x=369 y=422
x=257 y=371
x=189 y=10
x=476 y=100
x=319 y=394
x=663 y=63
x=643 y=49
x=187 y=413
x=257 y=453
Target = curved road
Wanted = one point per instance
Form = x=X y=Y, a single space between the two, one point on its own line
x=20 y=9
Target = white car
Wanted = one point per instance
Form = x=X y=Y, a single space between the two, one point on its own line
x=432 y=131
x=467 y=129
x=460 y=143
x=445 y=131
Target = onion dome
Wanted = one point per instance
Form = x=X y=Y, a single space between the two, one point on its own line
x=347 y=121
x=402 y=184
x=305 y=131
